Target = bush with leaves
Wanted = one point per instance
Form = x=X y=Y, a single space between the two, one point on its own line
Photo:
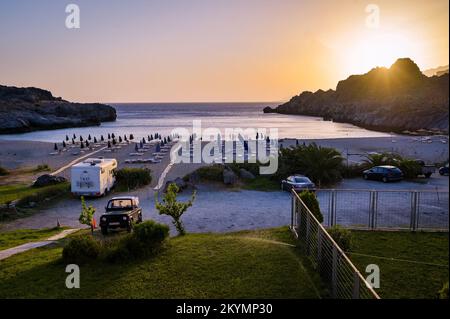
x=146 y=240
x=343 y=237
x=87 y=214
x=410 y=168
x=81 y=249
x=310 y=200
x=443 y=293
x=132 y=178
x=322 y=165
x=171 y=207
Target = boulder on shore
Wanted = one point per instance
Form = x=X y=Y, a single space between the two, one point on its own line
x=47 y=179
x=229 y=177
x=246 y=174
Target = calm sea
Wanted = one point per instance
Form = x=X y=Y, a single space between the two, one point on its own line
x=147 y=118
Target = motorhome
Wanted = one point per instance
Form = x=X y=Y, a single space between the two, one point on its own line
x=93 y=176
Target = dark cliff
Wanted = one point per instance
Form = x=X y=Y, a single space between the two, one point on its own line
x=397 y=99
x=30 y=109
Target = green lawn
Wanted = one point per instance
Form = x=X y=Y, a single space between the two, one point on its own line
x=261 y=183
x=13 y=192
x=22 y=236
x=250 y=264
x=407 y=273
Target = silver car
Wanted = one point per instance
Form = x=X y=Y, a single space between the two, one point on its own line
x=297 y=183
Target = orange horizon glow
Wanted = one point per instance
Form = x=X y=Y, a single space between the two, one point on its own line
x=212 y=51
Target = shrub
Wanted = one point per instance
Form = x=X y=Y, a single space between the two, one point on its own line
x=443 y=293
x=211 y=173
x=353 y=170
x=322 y=165
x=342 y=237
x=310 y=200
x=410 y=168
x=3 y=171
x=42 y=168
x=81 y=249
x=146 y=240
x=132 y=178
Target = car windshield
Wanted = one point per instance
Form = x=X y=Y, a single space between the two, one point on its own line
x=301 y=180
x=119 y=204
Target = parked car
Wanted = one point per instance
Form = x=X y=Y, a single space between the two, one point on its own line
x=444 y=170
x=384 y=173
x=426 y=169
x=297 y=183
x=121 y=212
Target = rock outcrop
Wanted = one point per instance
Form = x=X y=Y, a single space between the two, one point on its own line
x=47 y=180
x=31 y=109
x=397 y=99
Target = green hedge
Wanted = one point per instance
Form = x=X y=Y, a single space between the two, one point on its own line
x=132 y=178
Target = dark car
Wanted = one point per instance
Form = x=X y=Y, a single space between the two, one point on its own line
x=297 y=183
x=384 y=173
x=121 y=212
x=443 y=170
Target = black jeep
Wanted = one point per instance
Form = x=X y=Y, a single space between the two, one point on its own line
x=121 y=212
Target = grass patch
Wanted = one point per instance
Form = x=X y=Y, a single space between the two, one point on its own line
x=26 y=195
x=21 y=236
x=230 y=265
x=401 y=279
x=261 y=183
x=9 y=193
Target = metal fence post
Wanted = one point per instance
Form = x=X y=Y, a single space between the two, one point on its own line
x=355 y=294
x=333 y=208
x=292 y=210
x=334 y=273
x=319 y=246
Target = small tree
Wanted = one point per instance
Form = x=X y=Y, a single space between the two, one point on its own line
x=55 y=147
x=64 y=144
x=171 y=207
x=87 y=214
x=310 y=200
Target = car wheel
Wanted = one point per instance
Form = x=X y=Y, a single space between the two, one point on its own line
x=140 y=218
x=104 y=230
x=384 y=179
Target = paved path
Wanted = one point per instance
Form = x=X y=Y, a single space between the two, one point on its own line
x=25 y=247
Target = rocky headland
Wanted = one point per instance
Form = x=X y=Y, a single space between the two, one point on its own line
x=397 y=99
x=31 y=109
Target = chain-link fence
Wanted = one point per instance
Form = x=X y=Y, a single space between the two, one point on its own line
x=382 y=209
x=336 y=270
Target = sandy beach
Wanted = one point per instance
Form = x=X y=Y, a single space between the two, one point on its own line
x=27 y=154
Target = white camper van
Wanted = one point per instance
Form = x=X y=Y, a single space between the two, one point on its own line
x=93 y=176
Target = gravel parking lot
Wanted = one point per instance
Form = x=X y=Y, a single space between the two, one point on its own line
x=219 y=210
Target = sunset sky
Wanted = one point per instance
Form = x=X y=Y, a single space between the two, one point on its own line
x=220 y=50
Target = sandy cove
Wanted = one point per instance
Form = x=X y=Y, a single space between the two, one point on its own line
x=29 y=154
